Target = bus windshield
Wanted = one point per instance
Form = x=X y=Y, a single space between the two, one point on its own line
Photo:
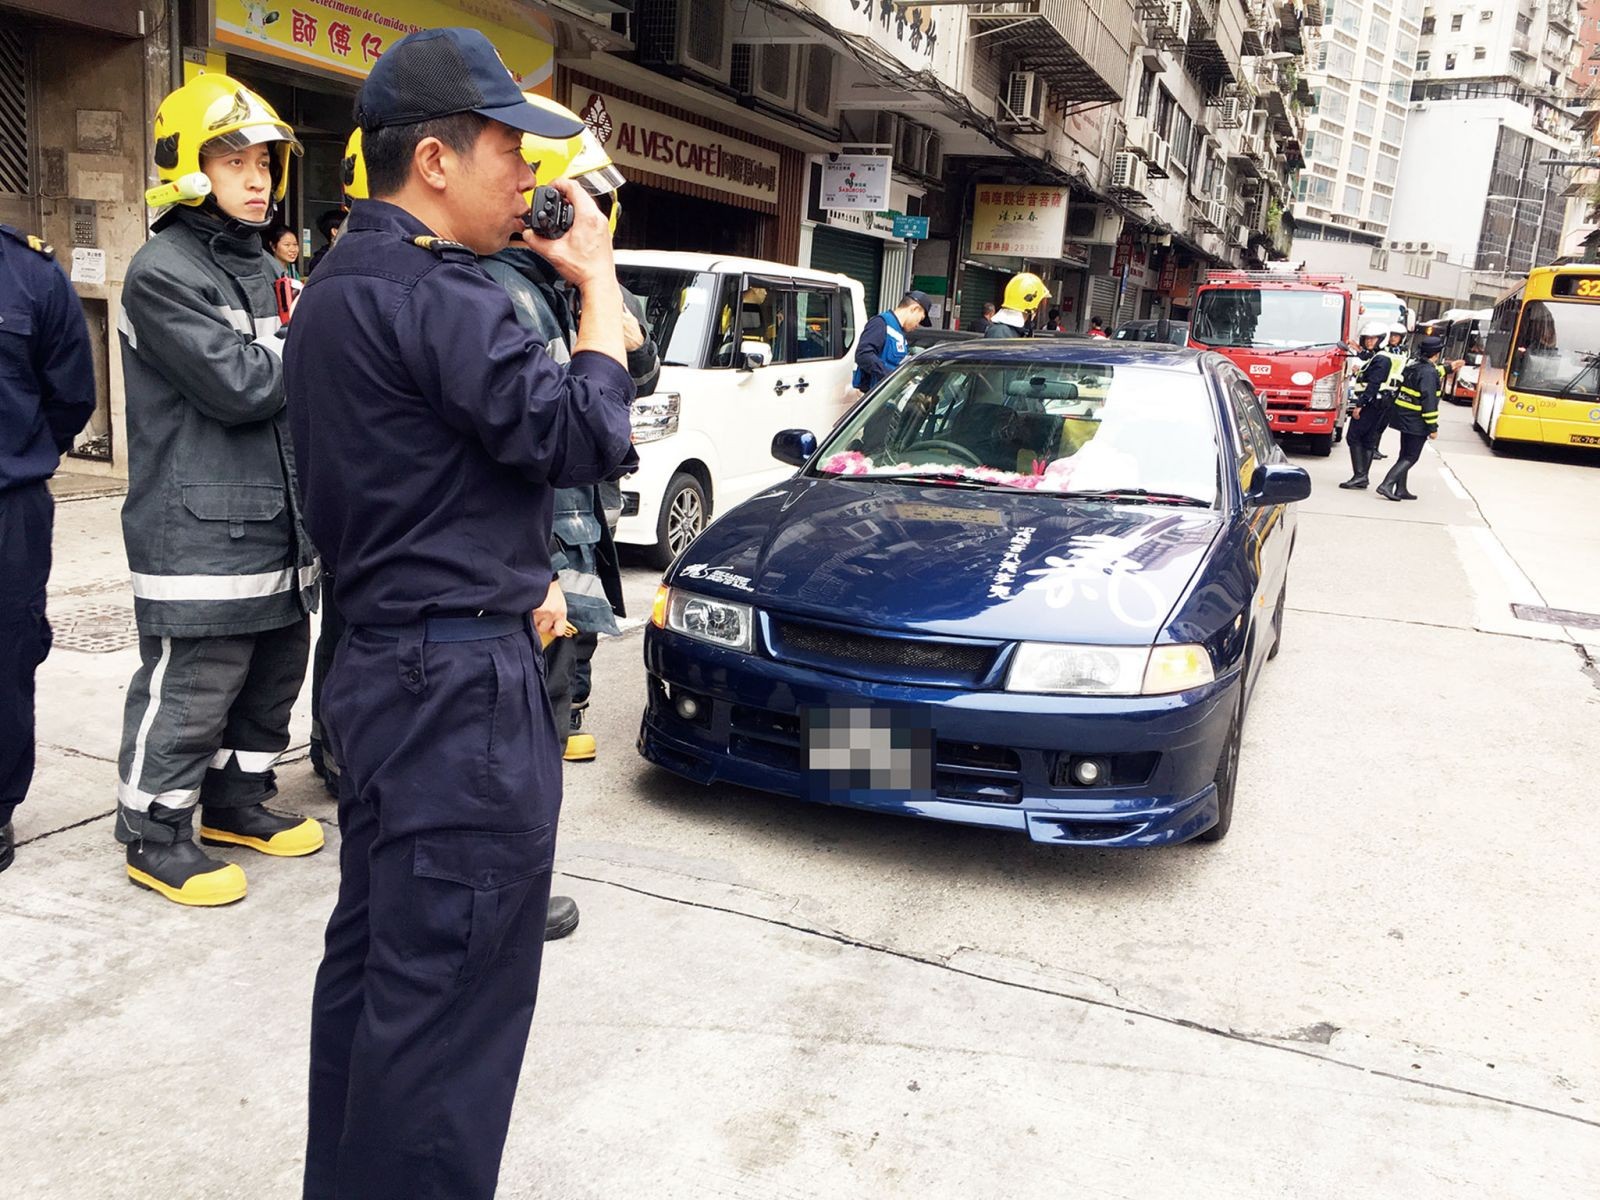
x=1558 y=350
x=1268 y=317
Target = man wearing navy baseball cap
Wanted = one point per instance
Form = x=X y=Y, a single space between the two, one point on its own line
x=430 y=432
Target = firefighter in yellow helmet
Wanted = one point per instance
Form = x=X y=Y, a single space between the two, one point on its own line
x=580 y=157
x=223 y=573
x=1025 y=292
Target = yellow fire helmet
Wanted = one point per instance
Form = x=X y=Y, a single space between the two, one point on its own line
x=1025 y=292
x=353 y=170
x=208 y=115
x=579 y=157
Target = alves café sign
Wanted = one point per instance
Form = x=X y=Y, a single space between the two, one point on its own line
x=638 y=138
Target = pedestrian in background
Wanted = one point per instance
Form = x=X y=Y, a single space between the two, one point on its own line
x=1053 y=322
x=329 y=222
x=1416 y=416
x=223 y=575
x=882 y=346
x=1097 y=328
x=982 y=324
x=283 y=244
x=47 y=395
x=431 y=431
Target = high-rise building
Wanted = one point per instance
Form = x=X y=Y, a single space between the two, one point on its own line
x=1361 y=75
x=1490 y=106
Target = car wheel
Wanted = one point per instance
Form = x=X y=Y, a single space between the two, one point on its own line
x=1320 y=444
x=1227 y=776
x=1277 y=622
x=683 y=516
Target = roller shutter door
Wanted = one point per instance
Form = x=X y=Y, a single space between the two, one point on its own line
x=861 y=258
x=980 y=286
x=1102 y=300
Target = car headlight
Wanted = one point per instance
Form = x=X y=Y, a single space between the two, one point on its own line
x=718 y=622
x=1325 y=392
x=1074 y=670
x=655 y=417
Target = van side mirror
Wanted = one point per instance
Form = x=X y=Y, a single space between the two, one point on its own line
x=794 y=446
x=753 y=354
x=1277 y=483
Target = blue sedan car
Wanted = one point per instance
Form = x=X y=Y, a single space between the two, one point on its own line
x=1024 y=584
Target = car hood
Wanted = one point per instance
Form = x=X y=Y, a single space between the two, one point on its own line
x=938 y=559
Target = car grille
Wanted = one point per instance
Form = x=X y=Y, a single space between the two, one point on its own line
x=971 y=773
x=923 y=660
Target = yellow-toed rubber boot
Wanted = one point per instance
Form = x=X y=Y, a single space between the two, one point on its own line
x=184 y=874
x=580 y=748
x=257 y=829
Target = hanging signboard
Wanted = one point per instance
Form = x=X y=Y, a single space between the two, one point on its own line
x=859 y=181
x=346 y=39
x=1124 y=254
x=1019 y=221
x=911 y=228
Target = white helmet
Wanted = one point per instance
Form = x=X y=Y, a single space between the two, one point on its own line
x=1375 y=329
x=1399 y=328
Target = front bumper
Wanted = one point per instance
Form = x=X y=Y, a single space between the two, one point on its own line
x=1000 y=757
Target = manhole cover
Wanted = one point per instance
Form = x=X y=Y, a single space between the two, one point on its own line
x=95 y=628
x=1556 y=616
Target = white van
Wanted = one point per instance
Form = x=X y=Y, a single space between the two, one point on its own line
x=747 y=348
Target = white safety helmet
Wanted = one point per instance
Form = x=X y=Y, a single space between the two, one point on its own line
x=1375 y=329
x=1399 y=328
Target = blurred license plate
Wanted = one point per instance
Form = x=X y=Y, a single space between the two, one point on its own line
x=856 y=754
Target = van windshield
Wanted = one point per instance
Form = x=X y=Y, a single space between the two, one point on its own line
x=679 y=306
x=1269 y=317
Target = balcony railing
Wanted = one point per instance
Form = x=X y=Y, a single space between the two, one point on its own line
x=1214 y=40
x=1080 y=50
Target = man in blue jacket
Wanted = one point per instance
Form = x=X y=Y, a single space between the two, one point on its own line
x=883 y=347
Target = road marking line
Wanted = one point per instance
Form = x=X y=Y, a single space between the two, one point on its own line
x=1516 y=579
x=1451 y=482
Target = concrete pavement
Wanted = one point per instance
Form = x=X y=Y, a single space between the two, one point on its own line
x=1380 y=984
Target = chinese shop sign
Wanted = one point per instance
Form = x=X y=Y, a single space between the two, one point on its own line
x=1019 y=221
x=856 y=181
x=347 y=39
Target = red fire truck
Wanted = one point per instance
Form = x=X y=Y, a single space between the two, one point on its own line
x=1288 y=332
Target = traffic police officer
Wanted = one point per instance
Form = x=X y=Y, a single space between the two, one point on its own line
x=46 y=397
x=1398 y=357
x=1372 y=405
x=1416 y=415
x=431 y=431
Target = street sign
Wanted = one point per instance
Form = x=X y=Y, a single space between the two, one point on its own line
x=914 y=229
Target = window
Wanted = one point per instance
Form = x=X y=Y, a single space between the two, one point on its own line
x=1322 y=56
x=1147 y=84
x=1352 y=200
x=1182 y=129
x=1485 y=16
x=1358 y=161
x=1393 y=127
x=1378 y=35
x=1388 y=168
x=1479 y=54
x=1163 y=118
x=761 y=314
x=1332 y=105
x=814 y=325
x=679 y=306
x=1455 y=23
x=1594 y=71
x=1427 y=26
x=1381 y=207
x=1341 y=61
x=1449 y=62
x=1422 y=60
x=1366 y=117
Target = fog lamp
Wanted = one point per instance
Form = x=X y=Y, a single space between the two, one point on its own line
x=1088 y=772
x=688 y=707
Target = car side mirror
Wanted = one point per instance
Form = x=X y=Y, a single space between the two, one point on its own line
x=753 y=354
x=794 y=446
x=1277 y=483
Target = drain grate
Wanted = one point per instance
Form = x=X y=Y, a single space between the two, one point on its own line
x=94 y=628
x=1556 y=616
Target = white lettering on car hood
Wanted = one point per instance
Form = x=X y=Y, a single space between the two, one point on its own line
x=715 y=575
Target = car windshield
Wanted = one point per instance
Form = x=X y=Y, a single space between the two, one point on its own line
x=1375 y=309
x=1268 y=317
x=1069 y=428
x=679 y=306
x=1558 y=350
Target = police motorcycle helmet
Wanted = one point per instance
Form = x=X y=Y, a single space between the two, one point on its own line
x=1025 y=292
x=580 y=157
x=1377 y=330
x=213 y=114
x=353 y=170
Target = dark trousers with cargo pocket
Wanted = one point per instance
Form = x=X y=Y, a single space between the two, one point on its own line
x=450 y=788
x=205 y=719
x=27 y=516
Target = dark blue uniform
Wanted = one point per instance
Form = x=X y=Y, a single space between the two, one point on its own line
x=430 y=431
x=46 y=396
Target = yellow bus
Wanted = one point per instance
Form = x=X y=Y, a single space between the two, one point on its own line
x=1540 y=379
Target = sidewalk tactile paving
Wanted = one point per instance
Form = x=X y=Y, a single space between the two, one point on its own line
x=94 y=628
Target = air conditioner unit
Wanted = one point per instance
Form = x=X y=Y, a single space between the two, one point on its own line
x=1139 y=135
x=691 y=34
x=1409 y=247
x=766 y=71
x=815 y=94
x=1424 y=247
x=1160 y=152
x=1127 y=172
x=1022 y=104
x=1232 y=113
x=1217 y=215
x=1092 y=224
x=1241 y=235
x=1178 y=16
x=911 y=147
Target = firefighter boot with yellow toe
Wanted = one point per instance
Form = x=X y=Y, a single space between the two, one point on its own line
x=254 y=828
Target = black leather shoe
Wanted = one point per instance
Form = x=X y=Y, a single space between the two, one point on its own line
x=1386 y=490
x=1355 y=483
x=1404 y=494
x=1377 y=454
x=8 y=845
x=562 y=918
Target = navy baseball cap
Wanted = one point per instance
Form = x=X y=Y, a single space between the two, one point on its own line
x=441 y=72
x=924 y=300
x=1429 y=346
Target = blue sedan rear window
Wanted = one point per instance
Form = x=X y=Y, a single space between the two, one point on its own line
x=1052 y=427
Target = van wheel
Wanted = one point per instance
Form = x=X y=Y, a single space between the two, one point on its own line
x=683 y=517
x=1227 y=776
x=1320 y=444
